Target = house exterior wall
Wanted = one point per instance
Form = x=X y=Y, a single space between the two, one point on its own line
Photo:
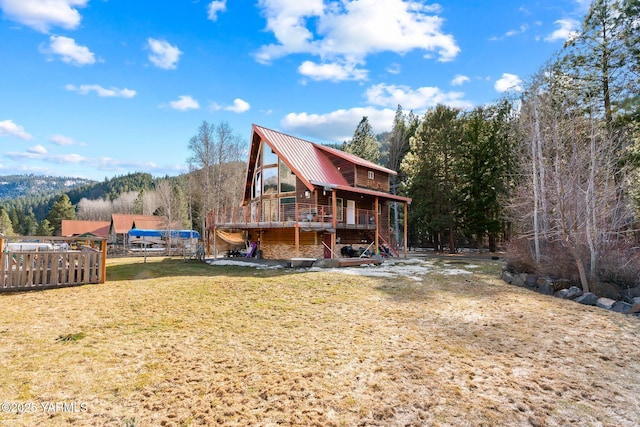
x=280 y=244
x=347 y=169
x=380 y=181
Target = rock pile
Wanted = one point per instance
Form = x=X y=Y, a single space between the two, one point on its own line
x=561 y=288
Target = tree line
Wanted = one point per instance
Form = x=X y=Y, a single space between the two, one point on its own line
x=553 y=170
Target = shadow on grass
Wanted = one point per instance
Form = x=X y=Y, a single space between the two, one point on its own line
x=175 y=267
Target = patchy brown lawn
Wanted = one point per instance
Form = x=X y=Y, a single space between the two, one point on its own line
x=185 y=344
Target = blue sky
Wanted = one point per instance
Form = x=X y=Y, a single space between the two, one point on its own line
x=99 y=88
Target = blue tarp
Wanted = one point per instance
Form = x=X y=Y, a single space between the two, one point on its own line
x=180 y=234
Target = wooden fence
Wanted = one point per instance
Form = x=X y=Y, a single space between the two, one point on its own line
x=22 y=270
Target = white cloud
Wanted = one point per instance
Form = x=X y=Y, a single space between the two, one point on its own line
x=101 y=91
x=33 y=153
x=37 y=150
x=163 y=54
x=184 y=103
x=332 y=71
x=63 y=140
x=509 y=82
x=347 y=32
x=41 y=15
x=69 y=51
x=216 y=7
x=239 y=106
x=414 y=99
x=9 y=128
x=383 y=100
x=394 y=68
x=339 y=125
x=567 y=29
x=459 y=80
x=522 y=29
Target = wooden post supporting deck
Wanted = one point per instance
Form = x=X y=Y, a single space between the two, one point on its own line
x=334 y=222
x=405 y=230
x=297 y=232
x=215 y=242
x=377 y=217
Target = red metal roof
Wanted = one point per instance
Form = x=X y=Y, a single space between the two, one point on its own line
x=303 y=157
x=311 y=165
x=122 y=223
x=73 y=227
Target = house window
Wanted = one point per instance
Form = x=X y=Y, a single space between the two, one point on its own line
x=370 y=175
x=270 y=157
x=339 y=210
x=270 y=181
x=257 y=185
x=287 y=179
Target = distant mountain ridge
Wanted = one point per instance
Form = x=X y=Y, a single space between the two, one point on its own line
x=35 y=194
x=16 y=186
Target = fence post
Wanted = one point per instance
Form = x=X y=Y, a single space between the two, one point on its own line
x=103 y=265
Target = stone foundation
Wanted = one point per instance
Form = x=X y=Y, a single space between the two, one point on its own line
x=286 y=251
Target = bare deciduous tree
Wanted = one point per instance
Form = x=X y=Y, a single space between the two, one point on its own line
x=215 y=155
x=571 y=188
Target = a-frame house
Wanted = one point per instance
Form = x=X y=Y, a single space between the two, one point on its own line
x=303 y=199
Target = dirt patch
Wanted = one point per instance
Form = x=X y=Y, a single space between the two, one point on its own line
x=174 y=343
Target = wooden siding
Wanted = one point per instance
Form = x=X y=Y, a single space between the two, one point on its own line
x=345 y=167
x=380 y=181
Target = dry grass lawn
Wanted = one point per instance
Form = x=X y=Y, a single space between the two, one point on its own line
x=186 y=344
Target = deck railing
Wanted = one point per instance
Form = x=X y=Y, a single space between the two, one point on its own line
x=27 y=269
x=287 y=215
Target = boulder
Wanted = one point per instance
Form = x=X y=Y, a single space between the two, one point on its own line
x=546 y=288
x=531 y=281
x=562 y=293
x=519 y=280
x=574 y=292
x=507 y=276
x=606 y=303
x=621 y=307
x=544 y=279
x=633 y=292
x=587 y=299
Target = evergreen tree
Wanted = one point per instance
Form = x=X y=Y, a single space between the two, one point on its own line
x=364 y=143
x=16 y=214
x=29 y=224
x=6 y=227
x=61 y=209
x=44 y=228
x=483 y=166
x=432 y=178
x=601 y=58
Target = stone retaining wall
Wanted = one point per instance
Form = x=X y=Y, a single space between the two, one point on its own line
x=561 y=288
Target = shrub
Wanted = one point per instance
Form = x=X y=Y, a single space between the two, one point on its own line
x=618 y=263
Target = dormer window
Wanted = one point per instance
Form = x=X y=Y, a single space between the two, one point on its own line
x=370 y=175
